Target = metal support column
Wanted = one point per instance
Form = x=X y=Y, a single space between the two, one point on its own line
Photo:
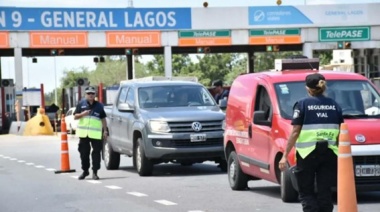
x=251 y=61
x=18 y=69
x=129 y=67
x=168 y=61
x=307 y=50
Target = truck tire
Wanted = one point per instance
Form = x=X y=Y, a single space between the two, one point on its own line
x=237 y=179
x=143 y=165
x=288 y=193
x=110 y=157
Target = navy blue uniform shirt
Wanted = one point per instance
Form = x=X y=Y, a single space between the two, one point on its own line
x=97 y=108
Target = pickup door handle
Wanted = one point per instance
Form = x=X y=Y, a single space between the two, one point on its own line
x=250 y=131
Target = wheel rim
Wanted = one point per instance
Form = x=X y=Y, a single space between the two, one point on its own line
x=232 y=171
x=138 y=158
x=106 y=153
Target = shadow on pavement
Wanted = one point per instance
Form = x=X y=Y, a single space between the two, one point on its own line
x=175 y=170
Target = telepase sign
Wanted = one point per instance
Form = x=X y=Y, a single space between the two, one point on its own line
x=345 y=34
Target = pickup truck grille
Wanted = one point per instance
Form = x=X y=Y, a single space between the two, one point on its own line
x=179 y=127
x=367 y=160
x=187 y=143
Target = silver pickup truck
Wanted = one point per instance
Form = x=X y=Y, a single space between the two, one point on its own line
x=164 y=121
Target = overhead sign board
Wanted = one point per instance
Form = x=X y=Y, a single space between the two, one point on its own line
x=88 y=19
x=4 y=40
x=345 y=34
x=134 y=39
x=204 y=38
x=270 y=15
x=58 y=39
x=275 y=36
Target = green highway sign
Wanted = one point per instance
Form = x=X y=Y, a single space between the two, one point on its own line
x=345 y=34
x=204 y=33
x=274 y=32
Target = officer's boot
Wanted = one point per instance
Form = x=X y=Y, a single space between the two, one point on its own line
x=95 y=175
x=83 y=175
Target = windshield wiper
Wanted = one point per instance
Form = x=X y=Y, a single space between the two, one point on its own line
x=355 y=115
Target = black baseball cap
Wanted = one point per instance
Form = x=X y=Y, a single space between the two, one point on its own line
x=217 y=83
x=312 y=80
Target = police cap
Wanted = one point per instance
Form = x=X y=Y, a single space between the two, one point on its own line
x=90 y=89
x=313 y=80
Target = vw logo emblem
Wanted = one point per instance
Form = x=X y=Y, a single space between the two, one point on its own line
x=196 y=126
x=360 y=138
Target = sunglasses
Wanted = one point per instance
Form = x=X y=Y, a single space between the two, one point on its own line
x=91 y=93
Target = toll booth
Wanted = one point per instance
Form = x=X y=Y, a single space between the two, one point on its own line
x=7 y=104
x=110 y=94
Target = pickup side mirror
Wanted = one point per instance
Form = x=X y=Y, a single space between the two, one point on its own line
x=260 y=119
x=125 y=107
x=223 y=104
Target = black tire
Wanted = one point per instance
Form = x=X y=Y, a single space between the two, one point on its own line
x=110 y=157
x=223 y=165
x=288 y=193
x=237 y=179
x=143 y=165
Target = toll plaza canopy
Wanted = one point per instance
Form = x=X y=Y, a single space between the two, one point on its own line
x=95 y=31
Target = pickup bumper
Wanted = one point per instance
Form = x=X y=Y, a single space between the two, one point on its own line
x=180 y=146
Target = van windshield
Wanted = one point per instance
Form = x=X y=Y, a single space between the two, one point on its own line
x=174 y=96
x=358 y=99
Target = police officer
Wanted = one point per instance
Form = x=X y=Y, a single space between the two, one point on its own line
x=91 y=117
x=316 y=123
x=220 y=92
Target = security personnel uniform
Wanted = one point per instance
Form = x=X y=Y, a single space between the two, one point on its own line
x=89 y=130
x=316 y=147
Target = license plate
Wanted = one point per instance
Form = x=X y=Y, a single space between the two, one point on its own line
x=367 y=170
x=198 y=137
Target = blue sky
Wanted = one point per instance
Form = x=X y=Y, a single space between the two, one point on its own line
x=43 y=71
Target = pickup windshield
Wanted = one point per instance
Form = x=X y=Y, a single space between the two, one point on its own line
x=358 y=99
x=174 y=96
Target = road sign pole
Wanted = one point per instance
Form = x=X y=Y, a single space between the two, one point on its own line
x=168 y=61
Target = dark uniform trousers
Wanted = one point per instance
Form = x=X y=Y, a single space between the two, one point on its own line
x=84 y=149
x=319 y=165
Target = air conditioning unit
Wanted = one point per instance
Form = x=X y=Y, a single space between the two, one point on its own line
x=7 y=83
x=83 y=82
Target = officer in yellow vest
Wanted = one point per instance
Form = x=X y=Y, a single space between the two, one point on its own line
x=92 y=122
x=316 y=123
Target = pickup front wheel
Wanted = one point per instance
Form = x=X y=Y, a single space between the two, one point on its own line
x=143 y=165
x=111 y=158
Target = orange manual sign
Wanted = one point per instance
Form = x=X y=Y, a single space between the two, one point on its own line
x=275 y=36
x=58 y=40
x=4 y=40
x=205 y=38
x=134 y=39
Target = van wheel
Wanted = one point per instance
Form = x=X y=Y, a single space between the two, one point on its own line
x=143 y=165
x=288 y=193
x=237 y=179
x=110 y=157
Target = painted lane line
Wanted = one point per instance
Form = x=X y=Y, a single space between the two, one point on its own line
x=165 y=202
x=29 y=164
x=6 y=157
x=75 y=177
x=196 y=211
x=50 y=169
x=94 y=181
x=21 y=161
x=113 y=187
x=137 y=194
x=13 y=159
x=39 y=166
x=1 y=155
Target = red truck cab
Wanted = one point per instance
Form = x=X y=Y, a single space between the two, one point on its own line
x=258 y=124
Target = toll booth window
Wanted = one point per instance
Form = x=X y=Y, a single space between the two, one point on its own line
x=263 y=102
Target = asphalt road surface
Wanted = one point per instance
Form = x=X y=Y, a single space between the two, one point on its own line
x=28 y=183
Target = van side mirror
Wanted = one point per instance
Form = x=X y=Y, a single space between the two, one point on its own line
x=223 y=104
x=125 y=107
x=260 y=119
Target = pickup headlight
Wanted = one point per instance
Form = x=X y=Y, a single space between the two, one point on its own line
x=159 y=126
x=224 y=124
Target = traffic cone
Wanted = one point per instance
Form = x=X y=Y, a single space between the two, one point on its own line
x=65 y=160
x=346 y=180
